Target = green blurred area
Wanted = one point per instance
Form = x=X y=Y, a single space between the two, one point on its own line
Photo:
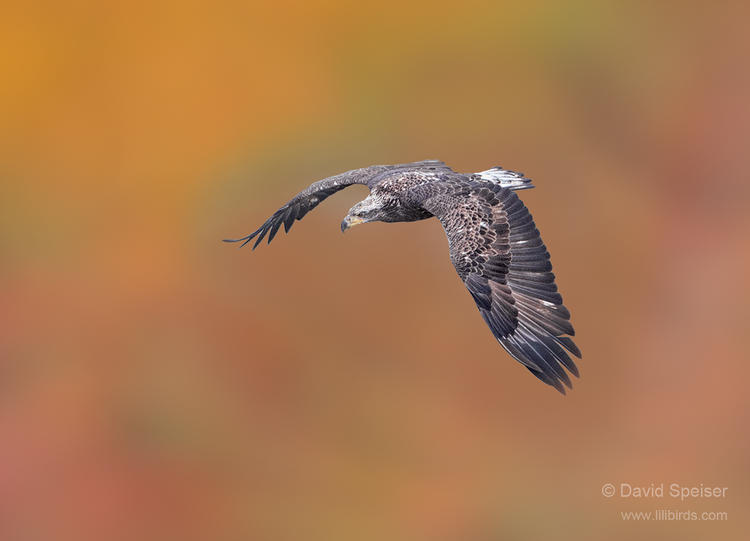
x=158 y=384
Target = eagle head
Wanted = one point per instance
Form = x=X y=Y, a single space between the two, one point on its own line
x=369 y=209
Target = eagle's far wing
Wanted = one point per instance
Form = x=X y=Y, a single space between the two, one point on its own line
x=499 y=254
x=306 y=200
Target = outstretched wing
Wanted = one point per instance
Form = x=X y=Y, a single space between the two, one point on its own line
x=305 y=201
x=499 y=254
x=308 y=199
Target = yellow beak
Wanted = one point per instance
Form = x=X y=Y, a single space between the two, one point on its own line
x=351 y=221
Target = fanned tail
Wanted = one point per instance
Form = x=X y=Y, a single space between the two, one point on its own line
x=505 y=178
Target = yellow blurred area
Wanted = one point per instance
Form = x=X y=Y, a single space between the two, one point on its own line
x=156 y=383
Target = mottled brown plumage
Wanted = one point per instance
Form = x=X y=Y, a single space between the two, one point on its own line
x=494 y=246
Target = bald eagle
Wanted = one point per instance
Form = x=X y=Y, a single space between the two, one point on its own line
x=494 y=246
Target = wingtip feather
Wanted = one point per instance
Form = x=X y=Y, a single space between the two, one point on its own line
x=243 y=240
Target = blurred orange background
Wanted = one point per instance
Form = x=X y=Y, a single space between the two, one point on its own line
x=158 y=384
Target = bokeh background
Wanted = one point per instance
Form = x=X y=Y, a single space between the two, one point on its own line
x=158 y=384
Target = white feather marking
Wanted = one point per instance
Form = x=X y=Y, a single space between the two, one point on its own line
x=506 y=179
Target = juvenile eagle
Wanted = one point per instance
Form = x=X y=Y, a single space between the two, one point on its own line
x=494 y=246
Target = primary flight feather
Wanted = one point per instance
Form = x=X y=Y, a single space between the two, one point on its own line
x=494 y=246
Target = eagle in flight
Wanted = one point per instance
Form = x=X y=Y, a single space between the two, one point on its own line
x=494 y=246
